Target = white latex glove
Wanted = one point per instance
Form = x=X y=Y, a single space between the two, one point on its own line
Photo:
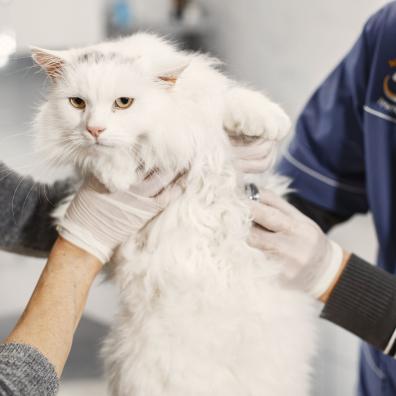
x=256 y=156
x=98 y=221
x=310 y=261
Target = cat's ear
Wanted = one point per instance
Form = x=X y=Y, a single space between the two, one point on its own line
x=170 y=78
x=52 y=62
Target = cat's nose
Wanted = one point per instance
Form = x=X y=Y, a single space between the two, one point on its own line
x=95 y=131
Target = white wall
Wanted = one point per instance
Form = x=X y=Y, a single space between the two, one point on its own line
x=285 y=46
x=53 y=23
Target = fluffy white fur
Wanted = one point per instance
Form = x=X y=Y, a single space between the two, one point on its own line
x=201 y=313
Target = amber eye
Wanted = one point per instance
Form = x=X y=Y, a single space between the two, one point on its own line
x=123 y=103
x=78 y=103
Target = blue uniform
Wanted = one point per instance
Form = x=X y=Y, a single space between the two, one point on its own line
x=343 y=156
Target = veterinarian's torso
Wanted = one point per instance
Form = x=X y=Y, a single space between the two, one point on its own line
x=343 y=157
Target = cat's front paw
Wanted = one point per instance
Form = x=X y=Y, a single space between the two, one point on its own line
x=251 y=114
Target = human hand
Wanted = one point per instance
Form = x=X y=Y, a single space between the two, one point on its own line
x=309 y=260
x=98 y=220
x=256 y=156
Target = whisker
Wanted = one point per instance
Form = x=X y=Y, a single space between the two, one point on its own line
x=27 y=196
x=46 y=196
x=21 y=178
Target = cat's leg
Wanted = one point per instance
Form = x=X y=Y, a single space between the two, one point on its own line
x=250 y=114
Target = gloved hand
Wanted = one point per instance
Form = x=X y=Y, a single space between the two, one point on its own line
x=310 y=261
x=256 y=156
x=98 y=221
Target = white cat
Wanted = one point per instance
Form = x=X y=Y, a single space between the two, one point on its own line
x=201 y=313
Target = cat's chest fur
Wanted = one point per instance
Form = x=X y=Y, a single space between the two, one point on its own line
x=201 y=312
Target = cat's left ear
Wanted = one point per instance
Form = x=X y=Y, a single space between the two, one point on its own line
x=170 y=78
x=52 y=62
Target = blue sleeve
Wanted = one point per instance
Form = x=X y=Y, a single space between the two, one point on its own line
x=326 y=160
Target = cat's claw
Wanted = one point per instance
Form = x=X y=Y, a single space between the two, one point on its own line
x=250 y=114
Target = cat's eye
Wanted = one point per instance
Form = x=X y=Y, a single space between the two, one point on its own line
x=123 y=103
x=78 y=103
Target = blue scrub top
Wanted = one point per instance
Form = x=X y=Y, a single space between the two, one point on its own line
x=343 y=156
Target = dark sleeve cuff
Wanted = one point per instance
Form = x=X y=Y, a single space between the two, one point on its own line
x=24 y=371
x=364 y=303
x=321 y=216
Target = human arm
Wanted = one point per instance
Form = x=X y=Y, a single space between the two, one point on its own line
x=362 y=300
x=358 y=296
x=26 y=225
x=58 y=299
x=33 y=355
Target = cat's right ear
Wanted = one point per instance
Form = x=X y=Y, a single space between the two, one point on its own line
x=52 y=62
x=170 y=77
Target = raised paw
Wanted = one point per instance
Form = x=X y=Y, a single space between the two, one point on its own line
x=251 y=114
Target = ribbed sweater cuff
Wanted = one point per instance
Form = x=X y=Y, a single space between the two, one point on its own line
x=26 y=371
x=364 y=302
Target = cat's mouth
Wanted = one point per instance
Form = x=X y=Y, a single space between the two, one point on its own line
x=99 y=148
x=98 y=143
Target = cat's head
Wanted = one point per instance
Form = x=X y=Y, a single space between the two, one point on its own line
x=120 y=109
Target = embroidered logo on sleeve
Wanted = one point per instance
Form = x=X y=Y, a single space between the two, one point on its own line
x=387 y=101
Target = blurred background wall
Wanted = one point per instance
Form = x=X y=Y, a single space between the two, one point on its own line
x=283 y=47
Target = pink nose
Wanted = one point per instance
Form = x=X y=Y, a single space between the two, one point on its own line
x=95 y=131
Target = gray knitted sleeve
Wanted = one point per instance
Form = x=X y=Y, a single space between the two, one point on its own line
x=24 y=371
x=25 y=212
x=364 y=303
